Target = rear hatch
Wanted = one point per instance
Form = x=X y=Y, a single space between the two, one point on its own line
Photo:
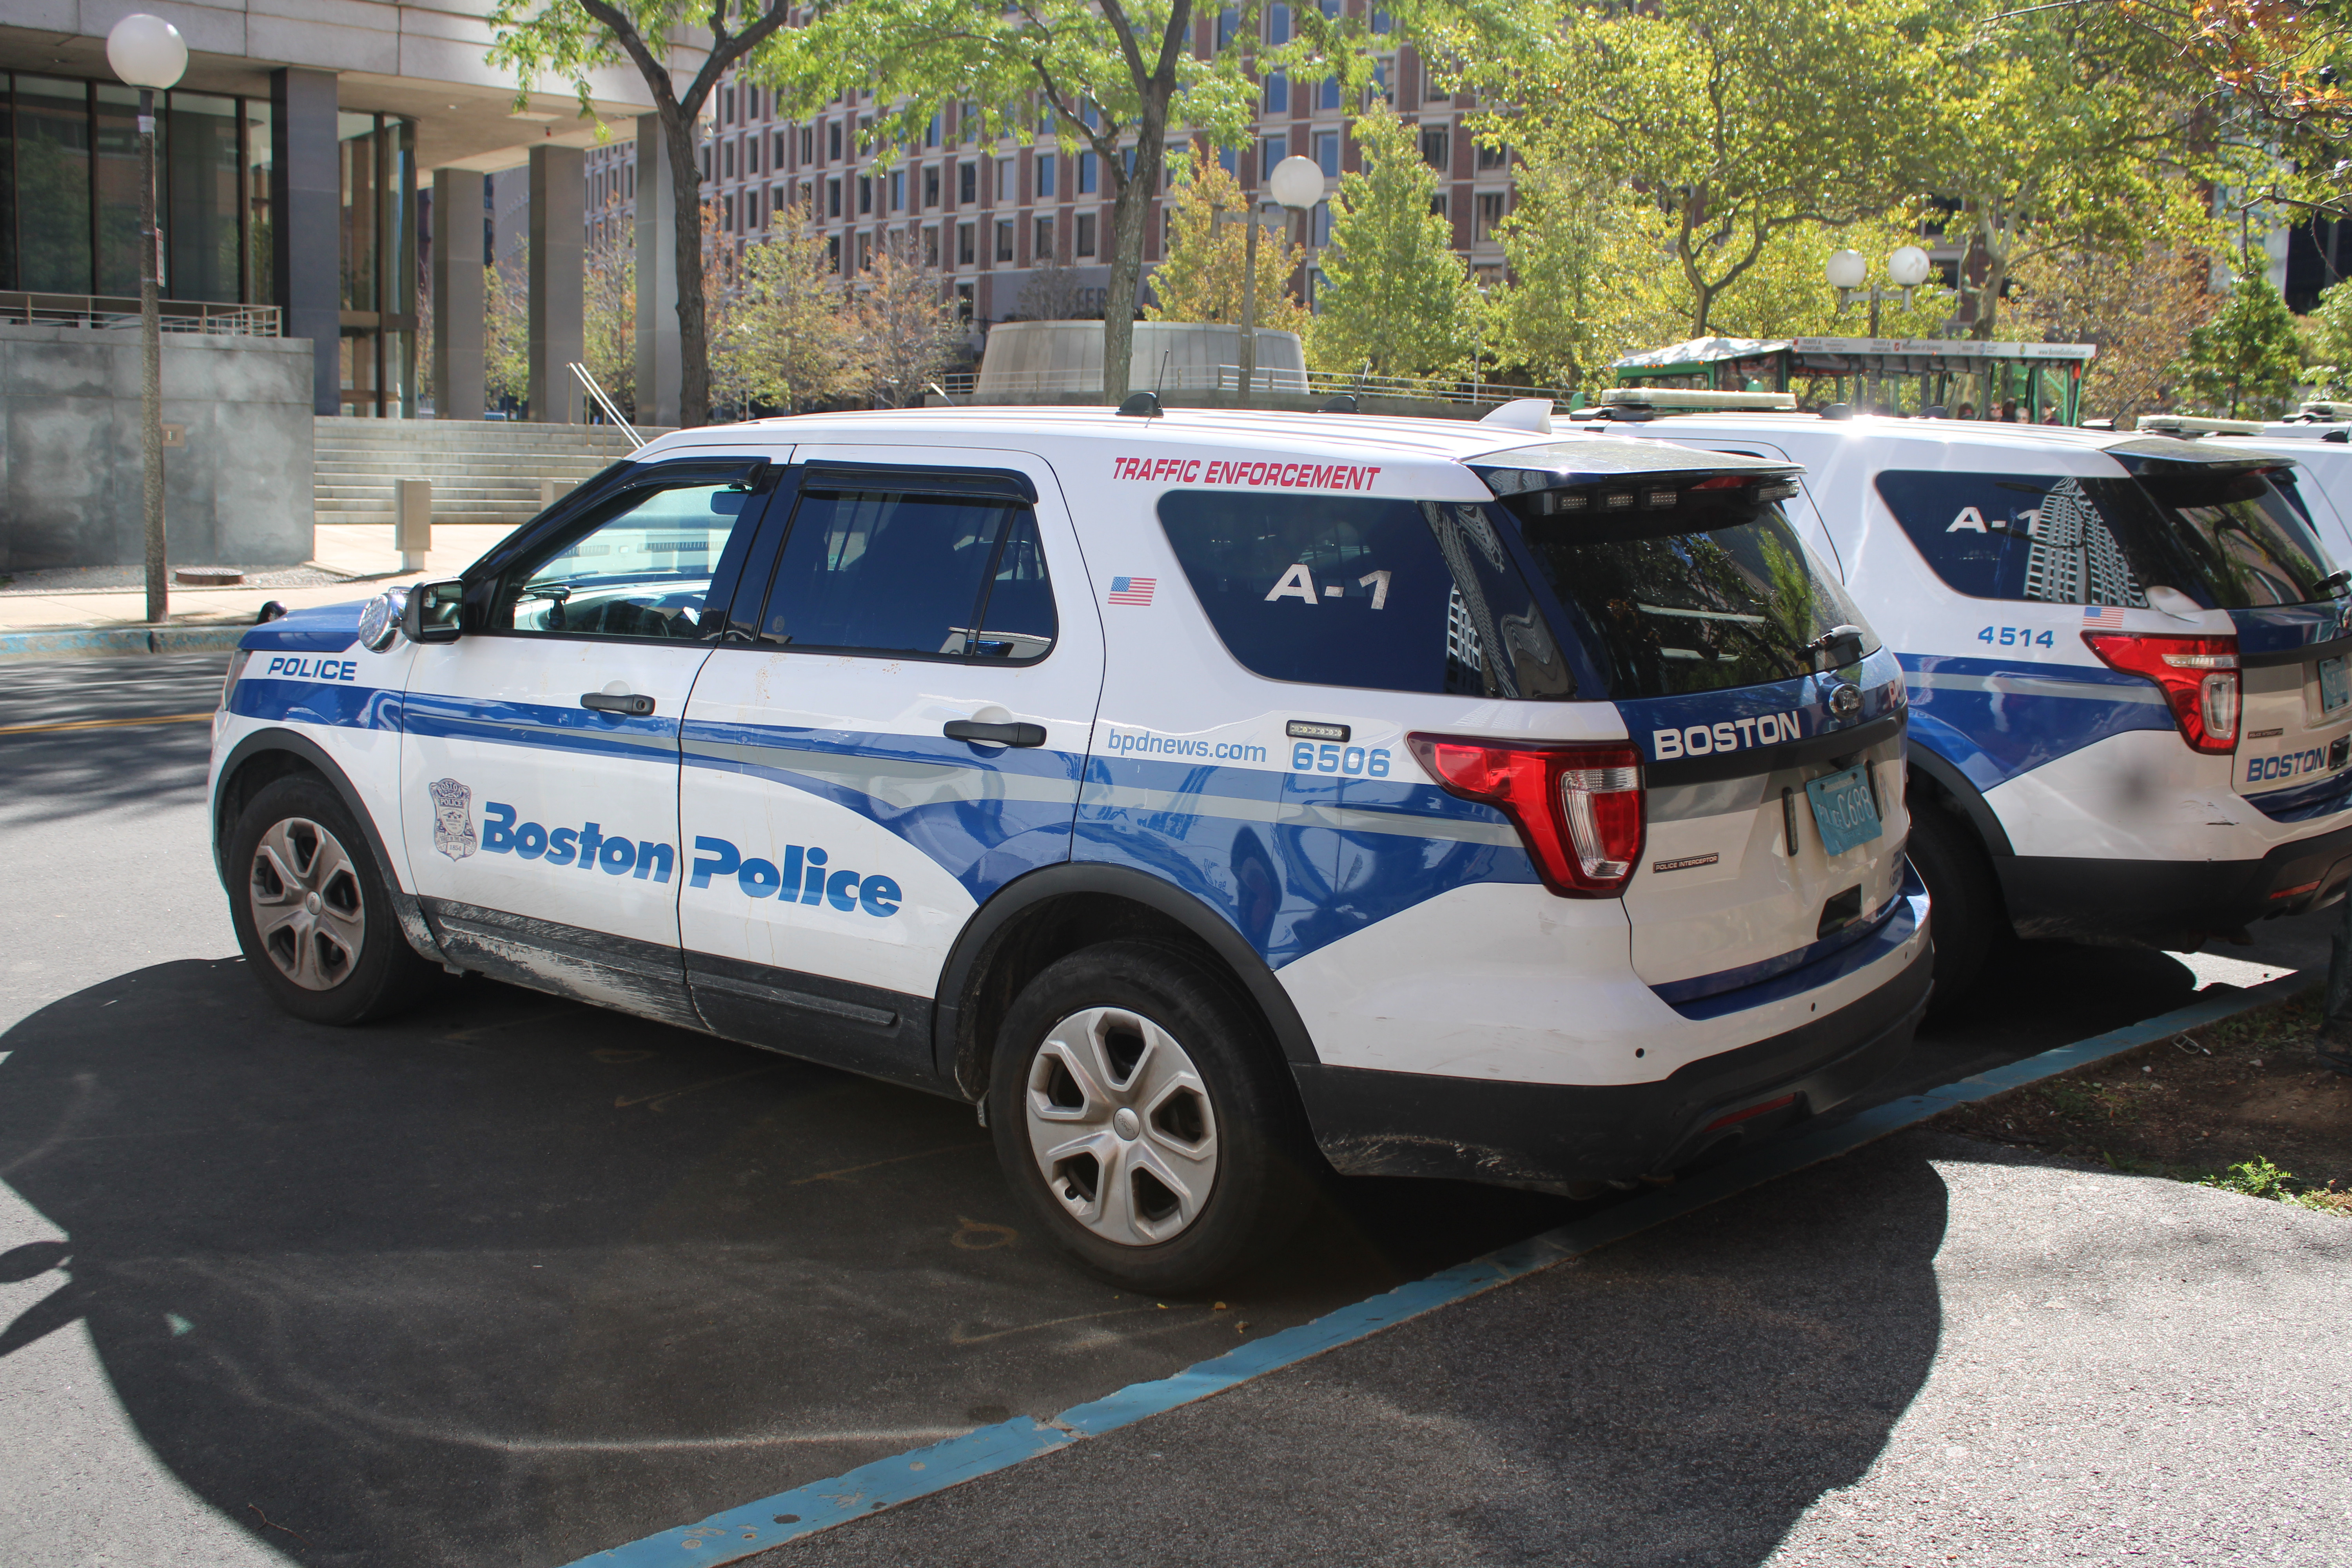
x=2221 y=533
x=1768 y=720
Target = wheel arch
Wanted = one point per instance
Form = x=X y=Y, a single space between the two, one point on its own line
x=267 y=756
x=1952 y=787
x=1057 y=910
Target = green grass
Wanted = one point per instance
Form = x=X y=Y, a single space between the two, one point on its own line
x=2258 y=1178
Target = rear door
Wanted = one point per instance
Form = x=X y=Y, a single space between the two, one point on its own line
x=899 y=732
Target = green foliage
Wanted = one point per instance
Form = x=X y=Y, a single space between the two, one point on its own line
x=2245 y=361
x=1201 y=276
x=506 y=341
x=791 y=329
x=1396 y=297
x=2328 y=343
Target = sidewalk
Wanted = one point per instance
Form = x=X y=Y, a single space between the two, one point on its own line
x=352 y=562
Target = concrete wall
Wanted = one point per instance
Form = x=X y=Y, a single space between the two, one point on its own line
x=239 y=493
x=1068 y=356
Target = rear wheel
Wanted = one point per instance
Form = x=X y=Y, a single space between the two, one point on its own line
x=1140 y=1110
x=312 y=911
x=1965 y=913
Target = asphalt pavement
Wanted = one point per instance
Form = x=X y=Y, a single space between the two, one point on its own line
x=511 y=1280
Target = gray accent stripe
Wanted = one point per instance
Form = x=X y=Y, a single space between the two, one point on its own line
x=895 y=781
x=2039 y=685
x=1293 y=813
x=524 y=727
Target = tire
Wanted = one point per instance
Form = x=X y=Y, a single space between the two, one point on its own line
x=1140 y=1109
x=312 y=911
x=1965 y=913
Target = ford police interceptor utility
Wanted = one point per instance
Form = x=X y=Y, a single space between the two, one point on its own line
x=2126 y=653
x=1192 y=791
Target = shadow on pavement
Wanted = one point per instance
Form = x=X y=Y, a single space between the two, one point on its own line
x=513 y=1279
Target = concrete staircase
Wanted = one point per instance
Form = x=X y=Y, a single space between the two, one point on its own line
x=483 y=470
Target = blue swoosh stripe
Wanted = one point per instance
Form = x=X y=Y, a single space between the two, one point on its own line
x=541 y=725
x=1996 y=720
x=316 y=702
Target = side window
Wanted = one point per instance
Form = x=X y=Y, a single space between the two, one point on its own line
x=1396 y=596
x=641 y=569
x=2016 y=536
x=906 y=574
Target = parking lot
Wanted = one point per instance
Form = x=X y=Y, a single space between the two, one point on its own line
x=512 y=1280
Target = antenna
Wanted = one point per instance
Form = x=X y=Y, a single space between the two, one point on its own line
x=1165 y=355
x=943 y=391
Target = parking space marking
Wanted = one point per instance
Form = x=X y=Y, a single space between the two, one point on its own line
x=104 y=723
x=771 y=1522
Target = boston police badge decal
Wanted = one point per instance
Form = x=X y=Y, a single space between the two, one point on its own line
x=453 y=819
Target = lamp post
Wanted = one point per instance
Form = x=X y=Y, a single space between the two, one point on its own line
x=1846 y=270
x=148 y=53
x=1295 y=183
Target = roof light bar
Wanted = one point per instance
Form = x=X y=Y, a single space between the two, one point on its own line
x=1689 y=398
x=2186 y=424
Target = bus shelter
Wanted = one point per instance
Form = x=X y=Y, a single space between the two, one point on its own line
x=1893 y=376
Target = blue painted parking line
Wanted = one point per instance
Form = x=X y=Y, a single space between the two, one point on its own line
x=120 y=641
x=869 y=1488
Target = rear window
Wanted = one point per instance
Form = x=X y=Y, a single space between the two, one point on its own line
x=1397 y=595
x=2226 y=538
x=1721 y=593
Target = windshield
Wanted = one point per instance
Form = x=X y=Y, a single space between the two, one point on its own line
x=1692 y=603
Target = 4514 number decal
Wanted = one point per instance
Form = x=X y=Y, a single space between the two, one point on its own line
x=2015 y=637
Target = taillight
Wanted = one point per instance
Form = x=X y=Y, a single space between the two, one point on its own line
x=2200 y=676
x=1578 y=807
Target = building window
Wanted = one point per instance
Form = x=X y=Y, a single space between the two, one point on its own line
x=963 y=302
x=1492 y=158
x=1277 y=93
x=1272 y=150
x=1229 y=159
x=967 y=184
x=1008 y=180
x=931 y=186
x=1087 y=175
x=725 y=106
x=1044 y=176
x=1004 y=239
x=1433 y=90
x=1327 y=93
x=833 y=197
x=832 y=253
x=1437 y=205
x=864 y=194
x=1327 y=153
x=1433 y=147
x=966 y=244
x=1042 y=253
x=808 y=145
x=1322 y=224
x=751 y=210
x=1491 y=207
x=833 y=141
x=897 y=190
x=1229 y=21
x=728 y=208
x=726 y=160
x=931 y=247
x=1086 y=234
x=931 y=132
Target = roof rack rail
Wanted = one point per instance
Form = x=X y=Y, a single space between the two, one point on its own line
x=2185 y=425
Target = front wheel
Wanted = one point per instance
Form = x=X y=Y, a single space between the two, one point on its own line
x=1140 y=1109
x=312 y=911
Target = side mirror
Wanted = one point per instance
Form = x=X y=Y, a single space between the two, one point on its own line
x=431 y=614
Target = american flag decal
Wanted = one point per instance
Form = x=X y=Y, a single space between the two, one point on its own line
x=2109 y=617
x=1132 y=590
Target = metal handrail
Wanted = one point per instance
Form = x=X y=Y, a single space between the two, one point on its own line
x=588 y=382
x=103 y=311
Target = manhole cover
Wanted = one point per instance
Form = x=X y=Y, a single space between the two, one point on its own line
x=207 y=576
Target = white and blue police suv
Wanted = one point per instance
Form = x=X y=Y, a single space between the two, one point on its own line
x=2127 y=654
x=1194 y=792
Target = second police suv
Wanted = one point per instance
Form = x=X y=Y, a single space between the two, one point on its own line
x=1197 y=793
x=2127 y=652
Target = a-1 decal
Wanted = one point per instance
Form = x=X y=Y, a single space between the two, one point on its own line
x=2015 y=637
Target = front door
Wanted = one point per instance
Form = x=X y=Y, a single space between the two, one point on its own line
x=539 y=753
x=905 y=737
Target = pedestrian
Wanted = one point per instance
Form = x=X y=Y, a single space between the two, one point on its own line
x=2008 y=410
x=1968 y=411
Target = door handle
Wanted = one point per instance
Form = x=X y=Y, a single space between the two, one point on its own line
x=995 y=734
x=605 y=702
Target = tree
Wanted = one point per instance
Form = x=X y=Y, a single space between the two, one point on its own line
x=1203 y=274
x=1396 y=296
x=506 y=338
x=570 y=38
x=1739 y=119
x=610 y=311
x=793 y=326
x=2137 y=309
x=1051 y=292
x=2330 y=343
x=1572 y=304
x=909 y=333
x=1107 y=77
x=2246 y=357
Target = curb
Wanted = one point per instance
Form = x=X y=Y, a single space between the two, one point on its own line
x=771 y=1521
x=120 y=640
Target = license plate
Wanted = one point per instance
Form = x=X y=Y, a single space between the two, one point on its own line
x=1843 y=810
x=2334 y=691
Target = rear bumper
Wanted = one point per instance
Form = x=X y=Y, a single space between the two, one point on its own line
x=1554 y=1136
x=2166 y=902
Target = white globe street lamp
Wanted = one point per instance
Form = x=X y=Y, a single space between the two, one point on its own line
x=1297 y=183
x=1908 y=266
x=148 y=53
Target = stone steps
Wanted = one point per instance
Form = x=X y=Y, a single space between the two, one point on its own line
x=482 y=471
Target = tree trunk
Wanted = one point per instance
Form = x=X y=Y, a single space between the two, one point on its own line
x=693 y=335
x=1131 y=209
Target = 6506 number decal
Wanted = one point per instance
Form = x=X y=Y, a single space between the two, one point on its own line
x=1306 y=757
